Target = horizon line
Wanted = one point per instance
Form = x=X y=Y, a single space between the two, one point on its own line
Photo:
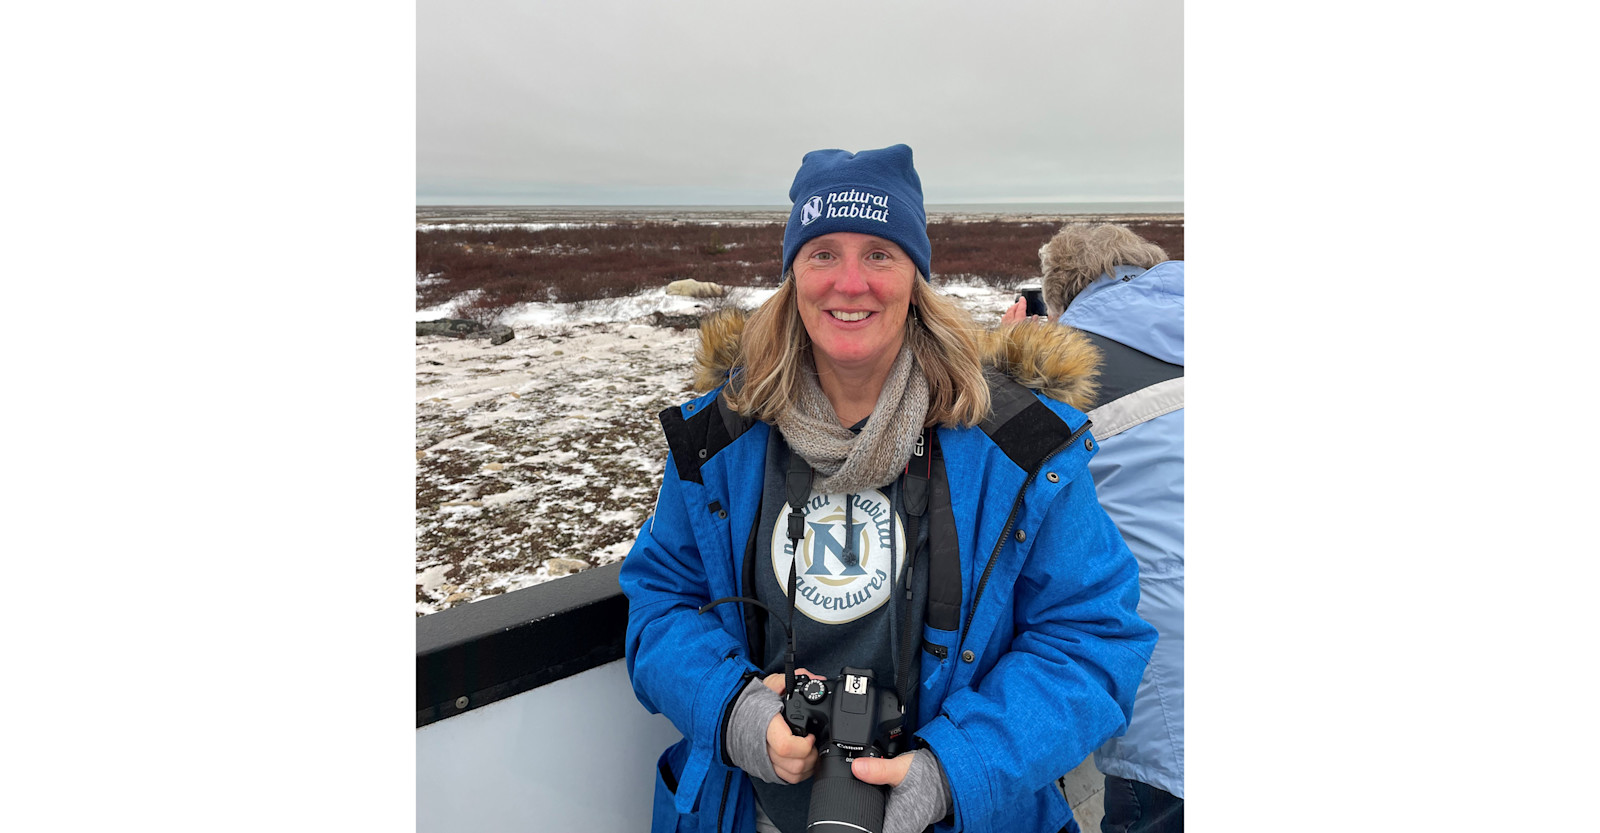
x=774 y=206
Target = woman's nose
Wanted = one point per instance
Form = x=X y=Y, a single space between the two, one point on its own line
x=854 y=278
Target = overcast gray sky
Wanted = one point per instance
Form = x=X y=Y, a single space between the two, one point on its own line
x=716 y=101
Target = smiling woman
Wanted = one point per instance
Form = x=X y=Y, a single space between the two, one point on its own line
x=921 y=533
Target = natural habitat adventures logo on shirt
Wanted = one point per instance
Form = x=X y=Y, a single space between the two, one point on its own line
x=843 y=573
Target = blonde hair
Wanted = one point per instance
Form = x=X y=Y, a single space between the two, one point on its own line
x=1077 y=255
x=942 y=336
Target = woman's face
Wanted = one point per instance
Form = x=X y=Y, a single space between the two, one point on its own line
x=853 y=291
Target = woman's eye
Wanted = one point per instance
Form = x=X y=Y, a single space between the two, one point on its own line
x=822 y=255
x=879 y=256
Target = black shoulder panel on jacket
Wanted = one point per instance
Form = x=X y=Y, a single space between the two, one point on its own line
x=1126 y=370
x=944 y=568
x=1024 y=428
x=697 y=439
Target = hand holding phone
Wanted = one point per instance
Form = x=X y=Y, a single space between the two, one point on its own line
x=1035 y=298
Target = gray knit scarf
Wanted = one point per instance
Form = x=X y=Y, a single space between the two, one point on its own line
x=851 y=462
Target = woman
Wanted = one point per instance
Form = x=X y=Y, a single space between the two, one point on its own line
x=856 y=472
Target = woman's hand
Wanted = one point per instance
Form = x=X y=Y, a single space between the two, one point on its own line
x=1016 y=312
x=886 y=771
x=919 y=794
x=793 y=758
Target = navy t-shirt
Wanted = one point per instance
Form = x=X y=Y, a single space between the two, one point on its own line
x=849 y=593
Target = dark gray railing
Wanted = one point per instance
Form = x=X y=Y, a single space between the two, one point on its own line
x=472 y=655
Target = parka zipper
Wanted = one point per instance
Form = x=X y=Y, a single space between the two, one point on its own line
x=726 y=780
x=1011 y=521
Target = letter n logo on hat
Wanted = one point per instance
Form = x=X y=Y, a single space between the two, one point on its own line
x=811 y=210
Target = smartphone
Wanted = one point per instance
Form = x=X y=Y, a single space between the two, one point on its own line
x=1035 y=297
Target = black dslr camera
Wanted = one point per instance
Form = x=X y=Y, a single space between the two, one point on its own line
x=852 y=718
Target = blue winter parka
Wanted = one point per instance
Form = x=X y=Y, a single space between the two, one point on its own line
x=1043 y=668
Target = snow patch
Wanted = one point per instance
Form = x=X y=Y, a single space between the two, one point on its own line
x=567 y=410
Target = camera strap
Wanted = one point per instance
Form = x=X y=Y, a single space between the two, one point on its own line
x=914 y=497
x=798 y=486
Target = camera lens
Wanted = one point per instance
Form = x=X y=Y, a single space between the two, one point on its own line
x=840 y=803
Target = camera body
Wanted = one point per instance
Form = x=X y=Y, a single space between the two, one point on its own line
x=852 y=718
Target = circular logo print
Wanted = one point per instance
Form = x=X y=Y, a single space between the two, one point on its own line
x=811 y=210
x=842 y=573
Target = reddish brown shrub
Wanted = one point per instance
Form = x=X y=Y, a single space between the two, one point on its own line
x=517 y=265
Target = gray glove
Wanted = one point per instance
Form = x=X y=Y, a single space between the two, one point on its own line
x=921 y=799
x=746 y=738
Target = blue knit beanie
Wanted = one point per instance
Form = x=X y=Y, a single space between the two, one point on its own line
x=873 y=192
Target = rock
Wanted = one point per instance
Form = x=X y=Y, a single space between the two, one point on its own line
x=431 y=580
x=462 y=328
x=692 y=288
x=457 y=327
x=494 y=466
x=677 y=321
x=565 y=566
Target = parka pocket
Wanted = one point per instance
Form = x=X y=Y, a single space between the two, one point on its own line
x=664 y=773
x=937 y=645
x=663 y=814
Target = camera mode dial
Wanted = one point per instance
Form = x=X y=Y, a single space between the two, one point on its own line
x=813 y=691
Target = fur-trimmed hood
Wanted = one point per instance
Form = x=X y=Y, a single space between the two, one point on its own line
x=1057 y=361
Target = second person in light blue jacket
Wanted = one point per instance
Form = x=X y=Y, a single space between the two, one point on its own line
x=1124 y=294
